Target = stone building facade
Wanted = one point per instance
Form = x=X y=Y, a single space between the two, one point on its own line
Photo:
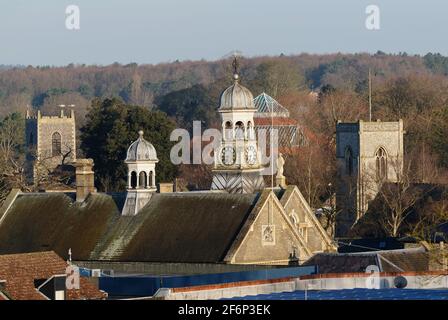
x=283 y=230
x=50 y=140
x=367 y=155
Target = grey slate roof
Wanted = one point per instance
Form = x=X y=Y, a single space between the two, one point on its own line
x=415 y=259
x=172 y=227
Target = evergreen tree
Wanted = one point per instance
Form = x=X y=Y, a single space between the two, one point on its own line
x=110 y=128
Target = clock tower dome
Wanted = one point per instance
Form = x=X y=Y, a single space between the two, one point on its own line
x=237 y=167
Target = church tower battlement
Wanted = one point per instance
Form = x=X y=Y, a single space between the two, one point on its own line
x=367 y=155
x=49 y=141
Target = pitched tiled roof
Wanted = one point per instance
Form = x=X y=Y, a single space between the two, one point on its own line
x=54 y=221
x=173 y=227
x=20 y=270
x=179 y=227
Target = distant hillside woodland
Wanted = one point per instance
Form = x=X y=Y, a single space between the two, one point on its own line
x=414 y=88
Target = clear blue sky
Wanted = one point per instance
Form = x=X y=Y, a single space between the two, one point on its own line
x=152 y=31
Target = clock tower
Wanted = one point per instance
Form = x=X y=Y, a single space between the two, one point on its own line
x=237 y=167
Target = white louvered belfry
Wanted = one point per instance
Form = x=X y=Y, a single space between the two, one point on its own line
x=141 y=159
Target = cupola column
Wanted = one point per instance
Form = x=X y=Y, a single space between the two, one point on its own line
x=153 y=178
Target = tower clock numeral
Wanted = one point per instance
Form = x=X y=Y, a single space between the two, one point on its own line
x=228 y=156
x=251 y=155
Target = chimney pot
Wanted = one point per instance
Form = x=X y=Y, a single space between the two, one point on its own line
x=84 y=179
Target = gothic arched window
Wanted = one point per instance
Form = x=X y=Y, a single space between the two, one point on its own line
x=56 y=144
x=381 y=164
x=348 y=161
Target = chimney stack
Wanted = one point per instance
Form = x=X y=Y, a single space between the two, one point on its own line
x=166 y=187
x=84 y=179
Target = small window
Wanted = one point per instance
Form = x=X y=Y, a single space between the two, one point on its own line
x=293 y=219
x=56 y=144
x=381 y=164
x=349 y=161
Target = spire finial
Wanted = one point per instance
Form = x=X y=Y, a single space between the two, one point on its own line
x=235 y=66
x=140 y=133
x=69 y=256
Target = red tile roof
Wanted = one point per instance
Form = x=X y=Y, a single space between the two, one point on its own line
x=20 y=270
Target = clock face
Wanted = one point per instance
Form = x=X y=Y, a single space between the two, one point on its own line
x=228 y=156
x=251 y=155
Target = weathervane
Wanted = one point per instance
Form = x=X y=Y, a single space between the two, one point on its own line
x=235 y=65
x=69 y=261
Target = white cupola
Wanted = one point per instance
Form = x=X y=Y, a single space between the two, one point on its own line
x=237 y=167
x=141 y=159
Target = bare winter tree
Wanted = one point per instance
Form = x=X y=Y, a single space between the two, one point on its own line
x=433 y=214
x=11 y=155
x=329 y=212
x=48 y=175
x=400 y=196
x=313 y=170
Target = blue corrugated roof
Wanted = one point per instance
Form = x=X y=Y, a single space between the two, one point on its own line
x=355 y=294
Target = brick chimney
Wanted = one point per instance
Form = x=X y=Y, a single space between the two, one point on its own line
x=84 y=179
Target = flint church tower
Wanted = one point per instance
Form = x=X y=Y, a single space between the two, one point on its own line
x=237 y=166
x=368 y=154
x=50 y=141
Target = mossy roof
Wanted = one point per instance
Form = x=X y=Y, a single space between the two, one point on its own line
x=172 y=227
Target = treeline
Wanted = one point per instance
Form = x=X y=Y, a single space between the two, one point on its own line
x=45 y=87
x=413 y=88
